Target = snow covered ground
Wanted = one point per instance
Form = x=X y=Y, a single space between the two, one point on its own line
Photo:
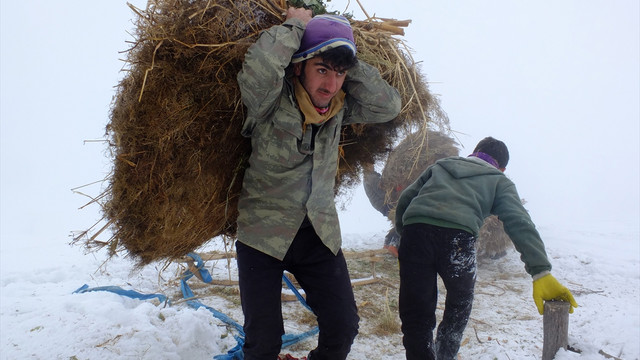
x=497 y=72
x=41 y=317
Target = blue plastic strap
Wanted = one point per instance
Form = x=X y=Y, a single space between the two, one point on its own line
x=204 y=273
x=120 y=291
x=296 y=292
x=288 y=339
x=189 y=296
x=234 y=353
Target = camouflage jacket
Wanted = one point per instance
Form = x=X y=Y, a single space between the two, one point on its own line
x=291 y=172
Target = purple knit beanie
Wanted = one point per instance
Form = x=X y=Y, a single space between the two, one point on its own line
x=324 y=32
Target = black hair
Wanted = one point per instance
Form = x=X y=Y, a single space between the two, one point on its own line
x=494 y=148
x=340 y=57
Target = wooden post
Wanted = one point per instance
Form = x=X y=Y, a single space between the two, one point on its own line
x=556 y=328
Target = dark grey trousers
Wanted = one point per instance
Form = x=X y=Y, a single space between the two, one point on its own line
x=425 y=252
x=324 y=277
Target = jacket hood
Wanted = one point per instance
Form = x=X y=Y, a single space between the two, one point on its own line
x=463 y=167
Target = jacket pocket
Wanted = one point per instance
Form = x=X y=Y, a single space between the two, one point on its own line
x=276 y=142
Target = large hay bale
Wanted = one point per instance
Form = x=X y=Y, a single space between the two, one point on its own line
x=493 y=241
x=174 y=130
x=411 y=157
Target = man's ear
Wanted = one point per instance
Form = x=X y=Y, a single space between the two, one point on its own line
x=297 y=68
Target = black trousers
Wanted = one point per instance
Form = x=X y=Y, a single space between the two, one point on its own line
x=324 y=277
x=425 y=252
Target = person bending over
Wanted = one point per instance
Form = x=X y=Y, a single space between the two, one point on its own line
x=439 y=216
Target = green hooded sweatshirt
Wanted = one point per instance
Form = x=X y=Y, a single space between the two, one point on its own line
x=460 y=193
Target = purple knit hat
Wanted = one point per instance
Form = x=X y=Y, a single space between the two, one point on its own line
x=324 y=32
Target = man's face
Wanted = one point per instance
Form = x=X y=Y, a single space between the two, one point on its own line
x=320 y=79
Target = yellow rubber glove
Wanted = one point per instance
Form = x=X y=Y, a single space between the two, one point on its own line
x=548 y=288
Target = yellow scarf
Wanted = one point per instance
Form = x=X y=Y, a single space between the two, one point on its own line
x=311 y=115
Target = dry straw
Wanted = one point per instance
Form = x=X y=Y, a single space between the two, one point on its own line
x=411 y=157
x=174 y=130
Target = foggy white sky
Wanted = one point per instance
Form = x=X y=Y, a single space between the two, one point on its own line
x=558 y=81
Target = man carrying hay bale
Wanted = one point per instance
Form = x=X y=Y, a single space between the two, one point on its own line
x=439 y=216
x=300 y=82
